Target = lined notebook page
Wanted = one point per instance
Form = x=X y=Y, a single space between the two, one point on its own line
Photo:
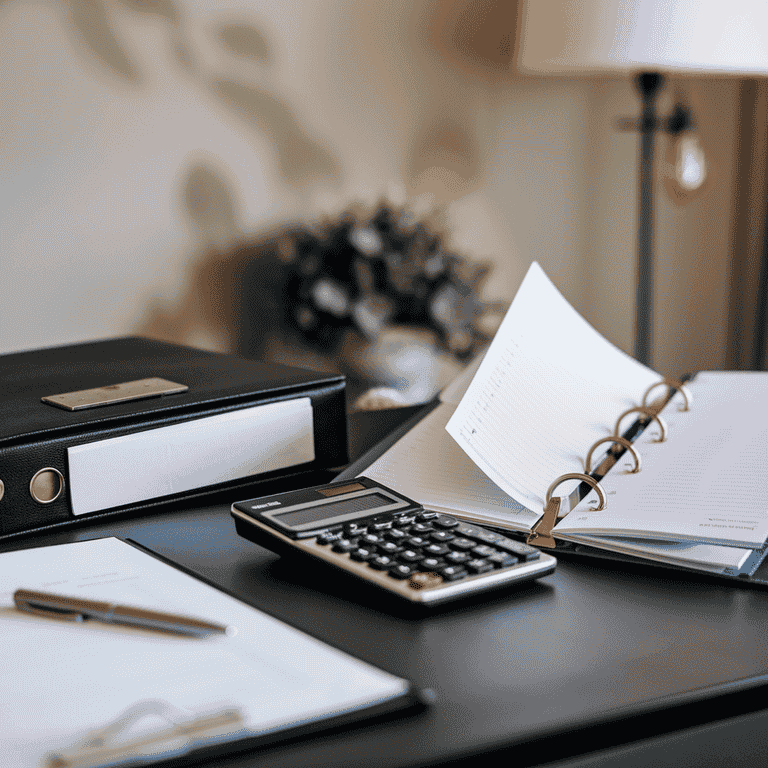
x=548 y=387
x=707 y=482
x=428 y=466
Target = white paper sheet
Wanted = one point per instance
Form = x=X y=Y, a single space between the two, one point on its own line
x=549 y=387
x=708 y=480
x=426 y=465
x=59 y=679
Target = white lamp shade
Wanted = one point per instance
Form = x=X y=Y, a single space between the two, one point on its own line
x=712 y=36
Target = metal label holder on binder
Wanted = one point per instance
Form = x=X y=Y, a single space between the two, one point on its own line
x=541 y=532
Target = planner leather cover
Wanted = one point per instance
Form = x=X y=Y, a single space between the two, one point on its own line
x=225 y=423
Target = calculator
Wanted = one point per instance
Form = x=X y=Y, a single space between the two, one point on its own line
x=390 y=541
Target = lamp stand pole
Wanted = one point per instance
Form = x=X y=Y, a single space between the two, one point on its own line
x=648 y=84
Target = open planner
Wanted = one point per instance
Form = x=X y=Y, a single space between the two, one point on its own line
x=562 y=437
x=86 y=694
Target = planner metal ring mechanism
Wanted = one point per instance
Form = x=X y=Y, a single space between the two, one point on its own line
x=541 y=532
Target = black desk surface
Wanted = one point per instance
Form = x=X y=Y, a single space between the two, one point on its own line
x=590 y=666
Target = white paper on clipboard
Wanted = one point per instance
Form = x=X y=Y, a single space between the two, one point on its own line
x=61 y=680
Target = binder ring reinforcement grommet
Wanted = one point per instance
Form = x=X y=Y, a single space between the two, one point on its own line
x=650 y=414
x=46 y=485
x=617 y=440
x=671 y=385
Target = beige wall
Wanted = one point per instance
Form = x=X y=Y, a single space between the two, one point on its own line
x=692 y=240
x=133 y=143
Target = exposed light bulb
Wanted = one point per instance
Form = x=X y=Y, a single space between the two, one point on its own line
x=690 y=162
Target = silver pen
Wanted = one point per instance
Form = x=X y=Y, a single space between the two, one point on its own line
x=78 y=609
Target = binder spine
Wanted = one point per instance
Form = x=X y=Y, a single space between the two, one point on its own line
x=21 y=512
x=541 y=532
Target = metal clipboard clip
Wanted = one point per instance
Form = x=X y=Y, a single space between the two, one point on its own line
x=115 y=745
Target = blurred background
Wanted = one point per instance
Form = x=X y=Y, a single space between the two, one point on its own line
x=202 y=172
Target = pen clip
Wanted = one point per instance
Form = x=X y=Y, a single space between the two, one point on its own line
x=77 y=609
x=28 y=602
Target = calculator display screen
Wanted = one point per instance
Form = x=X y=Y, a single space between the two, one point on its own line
x=344 y=506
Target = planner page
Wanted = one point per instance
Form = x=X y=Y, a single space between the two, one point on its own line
x=549 y=386
x=706 y=483
x=427 y=466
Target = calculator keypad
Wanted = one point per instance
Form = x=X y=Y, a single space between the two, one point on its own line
x=428 y=548
x=381 y=537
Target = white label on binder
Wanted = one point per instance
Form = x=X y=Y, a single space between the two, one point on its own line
x=183 y=457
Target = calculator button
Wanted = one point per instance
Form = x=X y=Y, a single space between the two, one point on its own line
x=453 y=572
x=479 y=566
x=362 y=554
x=381 y=523
x=353 y=529
x=327 y=538
x=483 y=550
x=344 y=545
x=431 y=563
x=426 y=514
x=395 y=534
x=522 y=551
x=462 y=544
x=445 y=521
x=401 y=571
x=478 y=533
x=405 y=520
x=388 y=547
x=441 y=536
x=502 y=559
x=488 y=537
x=436 y=549
x=457 y=558
x=416 y=541
x=369 y=539
x=410 y=556
x=381 y=562
x=419 y=528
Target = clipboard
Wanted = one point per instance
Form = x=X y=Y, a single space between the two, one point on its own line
x=120 y=695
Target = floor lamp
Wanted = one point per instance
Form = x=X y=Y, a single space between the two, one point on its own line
x=650 y=40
